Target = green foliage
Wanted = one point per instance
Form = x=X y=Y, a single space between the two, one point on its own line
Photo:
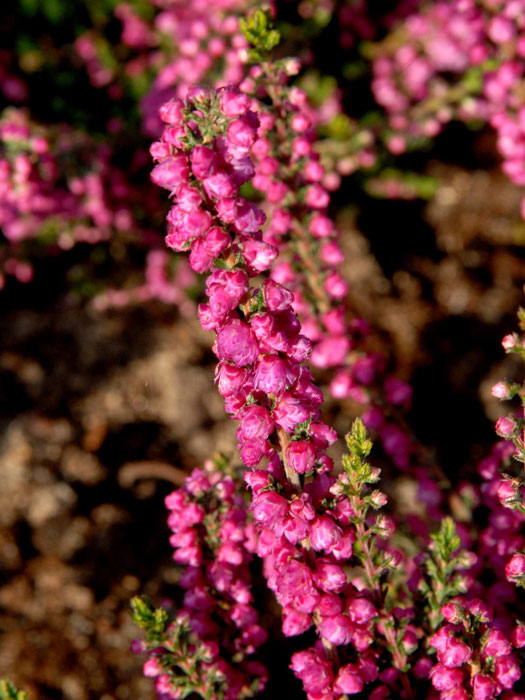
x=153 y=621
x=9 y=692
x=441 y=564
x=258 y=31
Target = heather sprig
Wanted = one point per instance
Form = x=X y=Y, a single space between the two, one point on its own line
x=207 y=644
x=8 y=691
x=442 y=580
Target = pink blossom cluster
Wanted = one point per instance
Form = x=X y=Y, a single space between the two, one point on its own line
x=181 y=45
x=474 y=653
x=305 y=530
x=456 y=60
x=296 y=201
x=62 y=205
x=213 y=542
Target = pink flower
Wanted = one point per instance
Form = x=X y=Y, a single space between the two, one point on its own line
x=496 y=644
x=276 y=297
x=348 y=680
x=506 y=426
x=272 y=374
x=289 y=411
x=360 y=610
x=515 y=568
x=269 y=508
x=315 y=673
x=236 y=343
x=256 y=423
x=324 y=533
x=301 y=455
x=329 y=577
x=171 y=172
x=444 y=678
x=506 y=671
x=337 y=629
x=295 y=622
x=483 y=687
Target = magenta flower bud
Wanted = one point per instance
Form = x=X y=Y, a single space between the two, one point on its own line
x=397 y=392
x=256 y=424
x=330 y=351
x=510 y=341
x=483 y=687
x=329 y=605
x=455 y=654
x=321 y=226
x=276 y=297
x=324 y=533
x=272 y=374
x=441 y=638
x=219 y=185
x=216 y=241
x=248 y=217
x=360 y=610
x=269 y=507
x=227 y=209
x=203 y=161
x=200 y=259
x=322 y=435
x=262 y=325
x=295 y=580
x=348 y=680
x=515 y=566
x=496 y=644
x=233 y=103
x=335 y=285
x=300 y=455
x=337 y=629
x=241 y=132
x=137 y=646
x=171 y=112
x=289 y=411
x=315 y=673
x=342 y=550
x=450 y=612
x=508 y=491
x=331 y=253
x=506 y=426
x=317 y=197
x=329 y=577
x=252 y=452
x=171 y=172
x=152 y=668
x=507 y=671
x=295 y=622
x=236 y=343
x=479 y=608
x=159 y=150
x=501 y=390
x=257 y=480
x=258 y=255
x=301 y=349
x=518 y=636
x=444 y=678
x=501 y=30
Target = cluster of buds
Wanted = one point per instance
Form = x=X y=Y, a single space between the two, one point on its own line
x=307 y=520
x=207 y=647
x=456 y=60
x=57 y=189
x=474 y=653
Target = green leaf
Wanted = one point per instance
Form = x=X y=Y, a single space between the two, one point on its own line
x=8 y=691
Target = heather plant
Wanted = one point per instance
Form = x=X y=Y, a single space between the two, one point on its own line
x=383 y=605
